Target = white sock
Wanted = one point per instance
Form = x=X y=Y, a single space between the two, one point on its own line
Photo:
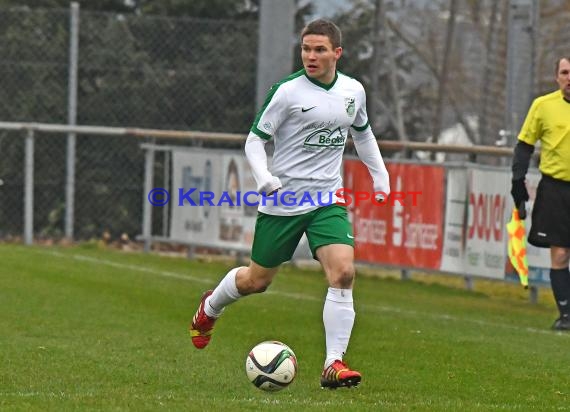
x=225 y=293
x=338 y=317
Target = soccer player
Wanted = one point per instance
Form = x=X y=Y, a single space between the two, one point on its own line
x=308 y=115
x=548 y=120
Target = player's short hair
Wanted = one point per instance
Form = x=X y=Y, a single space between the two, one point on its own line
x=558 y=64
x=324 y=28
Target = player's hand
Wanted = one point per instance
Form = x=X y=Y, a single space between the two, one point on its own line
x=381 y=194
x=519 y=193
x=380 y=197
x=270 y=187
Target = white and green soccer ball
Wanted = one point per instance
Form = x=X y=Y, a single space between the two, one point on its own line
x=271 y=366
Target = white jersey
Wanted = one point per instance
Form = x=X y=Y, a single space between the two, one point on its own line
x=309 y=122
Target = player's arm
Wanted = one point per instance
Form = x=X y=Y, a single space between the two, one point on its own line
x=257 y=158
x=521 y=162
x=369 y=153
x=266 y=122
x=521 y=158
x=367 y=149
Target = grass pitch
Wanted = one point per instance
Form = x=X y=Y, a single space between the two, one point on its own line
x=89 y=329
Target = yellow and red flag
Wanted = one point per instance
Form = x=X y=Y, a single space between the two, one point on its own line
x=517 y=246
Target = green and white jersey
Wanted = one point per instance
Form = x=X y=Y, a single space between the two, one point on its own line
x=309 y=123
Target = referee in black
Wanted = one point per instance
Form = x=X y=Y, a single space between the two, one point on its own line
x=548 y=121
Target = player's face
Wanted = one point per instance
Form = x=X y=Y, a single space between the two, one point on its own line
x=319 y=57
x=563 y=77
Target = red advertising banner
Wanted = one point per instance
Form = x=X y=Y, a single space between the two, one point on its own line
x=408 y=229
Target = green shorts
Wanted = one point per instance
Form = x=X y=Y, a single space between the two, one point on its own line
x=277 y=237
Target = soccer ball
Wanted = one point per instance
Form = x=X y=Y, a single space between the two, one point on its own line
x=271 y=366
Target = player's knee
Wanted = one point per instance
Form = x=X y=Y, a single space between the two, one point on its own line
x=251 y=285
x=258 y=285
x=560 y=257
x=346 y=276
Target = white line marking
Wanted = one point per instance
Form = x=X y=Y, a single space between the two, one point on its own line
x=136 y=268
x=301 y=296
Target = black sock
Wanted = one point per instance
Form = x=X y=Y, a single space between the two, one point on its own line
x=560 y=283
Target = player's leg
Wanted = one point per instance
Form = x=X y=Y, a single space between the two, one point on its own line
x=338 y=314
x=330 y=239
x=238 y=282
x=275 y=240
x=560 y=281
x=551 y=228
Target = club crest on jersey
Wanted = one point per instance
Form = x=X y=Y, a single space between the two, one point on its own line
x=325 y=138
x=349 y=105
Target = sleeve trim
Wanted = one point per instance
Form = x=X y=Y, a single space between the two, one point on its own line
x=361 y=128
x=259 y=133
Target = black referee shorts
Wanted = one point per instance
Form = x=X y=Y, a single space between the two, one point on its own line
x=551 y=214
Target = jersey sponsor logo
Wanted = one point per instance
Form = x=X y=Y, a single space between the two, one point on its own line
x=318 y=125
x=325 y=138
x=349 y=236
x=349 y=105
x=303 y=109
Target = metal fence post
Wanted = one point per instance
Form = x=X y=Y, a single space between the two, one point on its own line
x=275 y=47
x=533 y=295
x=71 y=119
x=520 y=53
x=469 y=283
x=29 y=188
x=147 y=207
x=166 y=182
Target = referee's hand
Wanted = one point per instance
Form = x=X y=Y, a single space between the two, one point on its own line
x=520 y=196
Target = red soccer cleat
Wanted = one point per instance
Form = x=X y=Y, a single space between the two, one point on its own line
x=339 y=375
x=202 y=325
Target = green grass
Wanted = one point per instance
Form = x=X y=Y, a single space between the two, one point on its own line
x=88 y=329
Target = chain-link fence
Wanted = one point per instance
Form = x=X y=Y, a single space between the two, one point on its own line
x=199 y=74
x=497 y=56
x=553 y=41
x=154 y=72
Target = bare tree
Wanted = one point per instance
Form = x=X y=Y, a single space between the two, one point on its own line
x=486 y=95
x=432 y=67
x=444 y=71
x=380 y=30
